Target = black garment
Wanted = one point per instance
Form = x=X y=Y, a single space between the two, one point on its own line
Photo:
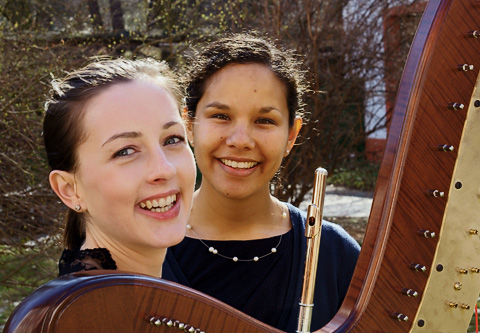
x=72 y=261
x=250 y=280
x=272 y=298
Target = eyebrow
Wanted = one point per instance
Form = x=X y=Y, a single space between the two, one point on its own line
x=222 y=106
x=133 y=134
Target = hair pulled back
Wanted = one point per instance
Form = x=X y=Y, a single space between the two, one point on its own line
x=64 y=111
x=245 y=48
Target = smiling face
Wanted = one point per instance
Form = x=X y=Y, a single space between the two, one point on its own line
x=241 y=131
x=135 y=174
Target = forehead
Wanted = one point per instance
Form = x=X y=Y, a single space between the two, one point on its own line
x=257 y=77
x=136 y=105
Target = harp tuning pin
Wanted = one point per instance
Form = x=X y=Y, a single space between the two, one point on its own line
x=418 y=267
x=456 y=106
x=436 y=193
x=463 y=271
x=474 y=34
x=426 y=233
x=465 y=306
x=400 y=316
x=409 y=292
x=475 y=270
x=473 y=232
x=445 y=147
x=465 y=67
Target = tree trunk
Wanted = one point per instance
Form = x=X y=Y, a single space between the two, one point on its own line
x=117 y=15
x=94 y=11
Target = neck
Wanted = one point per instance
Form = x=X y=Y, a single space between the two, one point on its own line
x=143 y=261
x=217 y=217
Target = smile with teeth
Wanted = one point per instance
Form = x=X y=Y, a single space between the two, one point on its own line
x=160 y=205
x=238 y=165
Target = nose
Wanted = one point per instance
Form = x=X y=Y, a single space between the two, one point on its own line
x=240 y=137
x=161 y=167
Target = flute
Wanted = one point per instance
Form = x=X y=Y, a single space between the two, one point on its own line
x=313 y=232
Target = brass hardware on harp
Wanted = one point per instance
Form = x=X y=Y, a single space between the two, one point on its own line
x=465 y=306
x=457 y=286
x=473 y=232
x=445 y=147
x=475 y=270
x=463 y=271
x=436 y=193
x=409 y=292
x=426 y=233
x=418 y=267
x=159 y=321
x=400 y=316
x=456 y=106
x=313 y=231
x=465 y=67
x=453 y=304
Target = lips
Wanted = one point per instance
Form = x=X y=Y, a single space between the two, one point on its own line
x=159 y=205
x=238 y=165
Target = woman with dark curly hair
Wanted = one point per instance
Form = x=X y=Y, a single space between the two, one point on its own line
x=243 y=245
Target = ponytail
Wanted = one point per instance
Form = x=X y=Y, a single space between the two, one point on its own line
x=74 y=233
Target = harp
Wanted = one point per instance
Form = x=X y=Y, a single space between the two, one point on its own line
x=418 y=269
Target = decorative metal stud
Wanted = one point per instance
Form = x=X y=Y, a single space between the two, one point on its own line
x=475 y=270
x=457 y=286
x=463 y=271
x=456 y=106
x=473 y=232
x=465 y=306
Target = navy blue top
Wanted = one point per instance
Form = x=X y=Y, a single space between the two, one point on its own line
x=269 y=289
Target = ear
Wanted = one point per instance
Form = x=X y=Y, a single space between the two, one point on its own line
x=63 y=184
x=293 y=133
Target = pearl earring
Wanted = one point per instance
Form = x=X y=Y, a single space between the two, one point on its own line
x=77 y=208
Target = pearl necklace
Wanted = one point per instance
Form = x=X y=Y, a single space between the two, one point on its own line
x=213 y=250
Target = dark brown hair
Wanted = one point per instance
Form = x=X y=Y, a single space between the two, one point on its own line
x=62 y=127
x=243 y=48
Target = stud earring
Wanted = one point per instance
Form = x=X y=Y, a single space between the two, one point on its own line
x=77 y=208
x=191 y=143
x=287 y=151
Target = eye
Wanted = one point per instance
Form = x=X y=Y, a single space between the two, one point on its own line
x=221 y=116
x=265 y=121
x=124 y=152
x=173 y=140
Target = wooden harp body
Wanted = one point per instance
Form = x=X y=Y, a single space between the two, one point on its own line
x=419 y=265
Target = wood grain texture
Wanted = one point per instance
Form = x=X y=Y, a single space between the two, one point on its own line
x=402 y=207
x=412 y=166
x=110 y=301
